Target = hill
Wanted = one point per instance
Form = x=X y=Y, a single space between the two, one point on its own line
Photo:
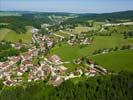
x=12 y=36
x=116 y=61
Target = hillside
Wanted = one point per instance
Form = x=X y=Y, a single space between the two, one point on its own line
x=116 y=61
x=12 y=36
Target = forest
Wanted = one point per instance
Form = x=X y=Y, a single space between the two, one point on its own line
x=111 y=17
x=37 y=19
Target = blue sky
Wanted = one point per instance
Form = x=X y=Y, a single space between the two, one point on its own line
x=76 y=6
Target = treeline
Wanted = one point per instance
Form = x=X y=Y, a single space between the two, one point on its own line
x=18 y=23
x=128 y=34
x=111 y=17
x=107 y=50
x=111 y=87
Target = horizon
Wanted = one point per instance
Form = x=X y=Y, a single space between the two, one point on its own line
x=28 y=11
x=69 y=6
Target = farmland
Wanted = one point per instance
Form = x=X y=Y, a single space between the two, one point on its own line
x=67 y=52
x=10 y=35
x=9 y=14
x=116 y=61
x=48 y=55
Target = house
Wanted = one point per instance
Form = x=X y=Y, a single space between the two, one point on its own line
x=62 y=68
x=92 y=65
x=14 y=59
x=5 y=65
x=19 y=73
x=34 y=30
x=92 y=72
x=100 y=69
x=27 y=56
x=49 y=43
x=79 y=71
x=33 y=52
x=42 y=63
x=23 y=68
x=56 y=80
x=27 y=63
x=55 y=59
x=8 y=82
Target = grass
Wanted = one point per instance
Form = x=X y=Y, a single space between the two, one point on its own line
x=78 y=79
x=68 y=53
x=71 y=66
x=35 y=60
x=10 y=35
x=62 y=34
x=116 y=61
x=108 y=42
x=9 y=14
x=79 y=29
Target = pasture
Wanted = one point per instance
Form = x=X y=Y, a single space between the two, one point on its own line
x=68 y=53
x=10 y=35
x=116 y=61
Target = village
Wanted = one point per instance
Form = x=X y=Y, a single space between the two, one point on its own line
x=20 y=69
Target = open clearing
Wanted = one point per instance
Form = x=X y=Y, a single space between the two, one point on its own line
x=116 y=61
x=10 y=35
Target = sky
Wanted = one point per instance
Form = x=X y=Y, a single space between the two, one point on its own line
x=74 y=6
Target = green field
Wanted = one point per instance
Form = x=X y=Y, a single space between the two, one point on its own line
x=68 y=53
x=116 y=61
x=63 y=34
x=10 y=35
x=79 y=29
x=9 y=14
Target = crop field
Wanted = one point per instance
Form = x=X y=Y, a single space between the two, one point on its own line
x=116 y=61
x=10 y=35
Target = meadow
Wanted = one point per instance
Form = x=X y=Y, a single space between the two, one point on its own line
x=10 y=35
x=68 y=53
x=124 y=58
x=9 y=14
x=116 y=61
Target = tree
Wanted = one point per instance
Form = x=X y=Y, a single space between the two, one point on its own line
x=20 y=40
x=18 y=27
x=43 y=31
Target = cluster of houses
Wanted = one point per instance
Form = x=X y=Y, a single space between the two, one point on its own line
x=18 y=69
x=12 y=70
x=42 y=40
x=16 y=66
x=95 y=70
x=50 y=68
x=21 y=68
x=80 y=39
